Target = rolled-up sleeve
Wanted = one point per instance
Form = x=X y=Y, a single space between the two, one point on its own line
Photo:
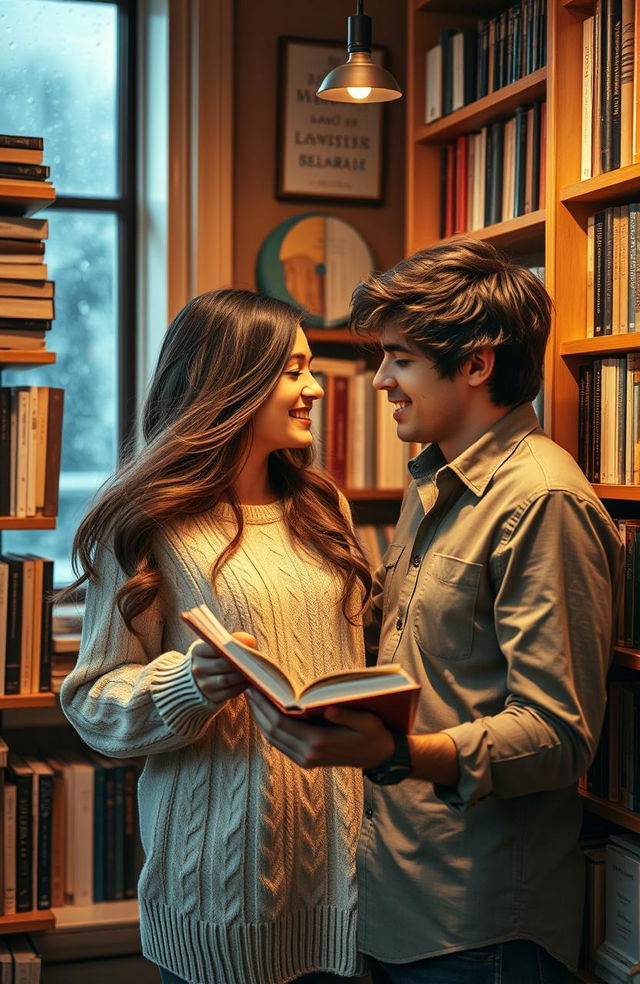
x=557 y=570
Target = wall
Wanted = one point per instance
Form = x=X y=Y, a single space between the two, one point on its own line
x=258 y=23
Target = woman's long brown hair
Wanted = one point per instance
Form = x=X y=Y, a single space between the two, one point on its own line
x=221 y=358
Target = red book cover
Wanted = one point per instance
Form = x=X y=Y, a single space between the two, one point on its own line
x=461 y=184
x=339 y=448
x=450 y=196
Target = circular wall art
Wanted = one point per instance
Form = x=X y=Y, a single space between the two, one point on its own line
x=314 y=261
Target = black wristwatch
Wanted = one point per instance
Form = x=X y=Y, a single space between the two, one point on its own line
x=395 y=769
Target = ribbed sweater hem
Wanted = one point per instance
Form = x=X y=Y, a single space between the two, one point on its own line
x=322 y=939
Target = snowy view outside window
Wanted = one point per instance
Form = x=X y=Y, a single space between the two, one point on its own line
x=58 y=79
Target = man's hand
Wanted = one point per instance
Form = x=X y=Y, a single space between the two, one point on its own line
x=356 y=738
x=215 y=677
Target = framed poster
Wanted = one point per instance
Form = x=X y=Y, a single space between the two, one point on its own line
x=326 y=151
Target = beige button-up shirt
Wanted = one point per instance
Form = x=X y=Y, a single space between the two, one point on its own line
x=499 y=595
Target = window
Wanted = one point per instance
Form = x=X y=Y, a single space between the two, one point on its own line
x=67 y=74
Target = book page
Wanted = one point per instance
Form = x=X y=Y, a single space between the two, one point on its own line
x=257 y=667
x=354 y=683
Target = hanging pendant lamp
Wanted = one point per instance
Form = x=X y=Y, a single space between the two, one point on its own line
x=359 y=80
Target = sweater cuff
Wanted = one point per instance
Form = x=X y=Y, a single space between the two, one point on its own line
x=177 y=697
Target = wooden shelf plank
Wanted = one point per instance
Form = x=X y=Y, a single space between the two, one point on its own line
x=16 y=702
x=501 y=103
x=27 y=922
x=24 y=197
x=335 y=336
x=525 y=230
x=628 y=492
x=611 y=811
x=605 y=188
x=372 y=494
x=486 y=8
x=578 y=4
x=31 y=523
x=19 y=359
x=629 y=658
x=97 y=915
x=603 y=345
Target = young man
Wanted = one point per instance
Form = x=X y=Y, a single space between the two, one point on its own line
x=498 y=594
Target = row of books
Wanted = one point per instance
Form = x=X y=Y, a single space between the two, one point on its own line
x=70 y=830
x=495 y=174
x=467 y=65
x=615 y=772
x=374 y=541
x=611 y=938
x=629 y=614
x=26 y=295
x=30 y=450
x=609 y=420
x=26 y=584
x=20 y=962
x=613 y=298
x=354 y=430
x=610 y=87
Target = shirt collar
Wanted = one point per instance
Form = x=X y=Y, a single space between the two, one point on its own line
x=478 y=463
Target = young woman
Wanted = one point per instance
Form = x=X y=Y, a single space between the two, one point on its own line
x=249 y=873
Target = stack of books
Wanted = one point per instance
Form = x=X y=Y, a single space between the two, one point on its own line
x=20 y=962
x=26 y=583
x=26 y=295
x=494 y=174
x=30 y=450
x=609 y=420
x=467 y=65
x=70 y=830
x=613 y=299
x=610 y=88
x=354 y=430
x=617 y=959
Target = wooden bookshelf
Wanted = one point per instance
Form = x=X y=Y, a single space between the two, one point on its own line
x=335 y=336
x=620 y=185
x=27 y=922
x=17 y=359
x=24 y=197
x=503 y=102
x=370 y=495
x=629 y=658
x=525 y=232
x=601 y=346
x=630 y=493
x=611 y=811
x=30 y=523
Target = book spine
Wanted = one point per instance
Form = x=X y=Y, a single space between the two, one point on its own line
x=626 y=84
x=597 y=415
x=521 y=156
x=130 y=839
x=54 y=451
x=45 y=803
x=14 y=628
x=606 y=83
x=46 y=635
x=9 y=847
x=58 y=840
x=633 y=265
x=33 y=172
x=99 y=834
x=587 y=97
x=119 y=831
x=617 y=83
x=607 y=248
x=5 y=450
x=110 y=835
x=17 y=140
x=24 y=843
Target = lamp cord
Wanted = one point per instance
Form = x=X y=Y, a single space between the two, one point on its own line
x=360 y=6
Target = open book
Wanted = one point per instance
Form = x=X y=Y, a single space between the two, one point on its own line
x=388 y=691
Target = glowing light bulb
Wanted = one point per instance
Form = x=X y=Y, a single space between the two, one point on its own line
x=359 y=92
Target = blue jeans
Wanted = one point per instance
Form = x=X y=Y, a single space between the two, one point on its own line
x=514 y=962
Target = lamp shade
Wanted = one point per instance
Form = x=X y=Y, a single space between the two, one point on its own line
x=359 y=80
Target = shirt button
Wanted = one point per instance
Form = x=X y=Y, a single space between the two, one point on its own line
x=398 y=624
x=416 y=560
x=368 y=813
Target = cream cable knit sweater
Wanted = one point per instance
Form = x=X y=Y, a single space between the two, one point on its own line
x=249 y=875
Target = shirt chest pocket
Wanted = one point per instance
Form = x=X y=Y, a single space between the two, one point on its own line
x=445 y=607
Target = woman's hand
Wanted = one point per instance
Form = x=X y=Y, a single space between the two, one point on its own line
x=215 y=677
